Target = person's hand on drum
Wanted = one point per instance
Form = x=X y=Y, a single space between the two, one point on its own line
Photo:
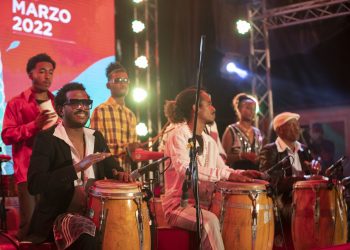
x=90 y=160
x=234 y=177
x=314 y=166
x=254 y=174
x=122 y=176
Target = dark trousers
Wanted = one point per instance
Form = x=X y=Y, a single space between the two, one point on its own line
x=26 y=208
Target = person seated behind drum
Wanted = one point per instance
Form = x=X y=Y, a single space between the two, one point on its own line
x=241 y=140
x=210 y=128
x=211 y=168
x=65 y=158
x=286 y=126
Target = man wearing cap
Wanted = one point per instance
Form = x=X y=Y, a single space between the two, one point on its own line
x=295 y=159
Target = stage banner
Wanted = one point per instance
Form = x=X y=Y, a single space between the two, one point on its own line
x=79 y=35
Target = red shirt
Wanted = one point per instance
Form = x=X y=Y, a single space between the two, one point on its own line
x=19 y=130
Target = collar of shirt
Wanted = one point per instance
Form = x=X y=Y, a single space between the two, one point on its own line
x=60 y=132
x=282 y=146
x=296 y=164
x=113 y=102
x=28 y=94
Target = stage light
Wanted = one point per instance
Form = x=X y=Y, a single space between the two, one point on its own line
x=137 y=26
x=231 y=68
x=242 y=26
x=141 y=129
x=137 y=1
x=141 y=62
x=139 y=94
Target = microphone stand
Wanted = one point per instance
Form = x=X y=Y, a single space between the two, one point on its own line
x=192 y=171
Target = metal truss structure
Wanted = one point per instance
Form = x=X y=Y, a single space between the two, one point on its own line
x=262 y=20
x=146 y=44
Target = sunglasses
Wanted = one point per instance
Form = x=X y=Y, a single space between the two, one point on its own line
x=119 y=80
x=76 y=103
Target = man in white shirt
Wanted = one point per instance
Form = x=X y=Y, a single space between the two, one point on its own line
x=66 y=159
x=211 y=168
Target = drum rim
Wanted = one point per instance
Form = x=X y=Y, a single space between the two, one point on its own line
x=129 y=195
x=241 y=186
x=116 y=184
x=311 y=184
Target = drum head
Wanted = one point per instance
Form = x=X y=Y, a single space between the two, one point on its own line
x=256 y=185
x=114 y=188
x=311 y=184
x=112 y=184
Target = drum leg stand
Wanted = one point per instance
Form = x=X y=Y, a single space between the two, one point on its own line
x=273 y=195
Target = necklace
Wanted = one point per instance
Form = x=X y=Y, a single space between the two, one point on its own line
x=202 y=160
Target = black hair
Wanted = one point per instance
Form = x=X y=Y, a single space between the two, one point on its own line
x=239 y=99
x=114 y=66
x=184 y=102
x=61 y=96
x=42 y=57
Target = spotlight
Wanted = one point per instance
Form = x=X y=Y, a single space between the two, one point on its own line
x=137 y=26
x=141 y=129
x=242 y=26
x=231 y=68
x=141 y=62
x=137 y=1
x=139 y=94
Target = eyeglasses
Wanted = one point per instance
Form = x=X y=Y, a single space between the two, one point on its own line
x=119 y=80
x=76 y=103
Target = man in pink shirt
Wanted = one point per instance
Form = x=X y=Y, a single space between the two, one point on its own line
x=211 y=168
x=23 y=119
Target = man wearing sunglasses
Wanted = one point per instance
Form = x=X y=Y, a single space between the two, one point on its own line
x=113 y=119
x=66 y=159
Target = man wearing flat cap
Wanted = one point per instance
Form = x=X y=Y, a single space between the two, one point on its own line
x=293 y=161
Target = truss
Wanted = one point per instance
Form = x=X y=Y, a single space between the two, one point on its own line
x=262 y=20
x=146 y=44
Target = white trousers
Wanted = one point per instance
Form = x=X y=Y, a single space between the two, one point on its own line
x=186 y=218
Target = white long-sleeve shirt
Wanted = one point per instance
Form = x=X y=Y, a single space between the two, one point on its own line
x=211 y=167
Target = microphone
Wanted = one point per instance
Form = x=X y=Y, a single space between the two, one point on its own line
x=345 y=181
x=137 y=173
x=278 y=164
x=4 y=158
x=336 y=165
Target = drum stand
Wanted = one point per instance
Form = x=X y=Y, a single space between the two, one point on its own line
x=272 y=192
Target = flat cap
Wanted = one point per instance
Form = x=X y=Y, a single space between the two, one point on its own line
x=284 y=117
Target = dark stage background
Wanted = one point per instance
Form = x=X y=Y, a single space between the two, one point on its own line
x=310 y=67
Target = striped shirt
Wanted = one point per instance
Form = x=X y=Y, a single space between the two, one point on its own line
x=117 y=123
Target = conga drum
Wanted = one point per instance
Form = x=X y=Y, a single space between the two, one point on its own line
x=245 y=213
x=120 y=215
x=319 y=215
